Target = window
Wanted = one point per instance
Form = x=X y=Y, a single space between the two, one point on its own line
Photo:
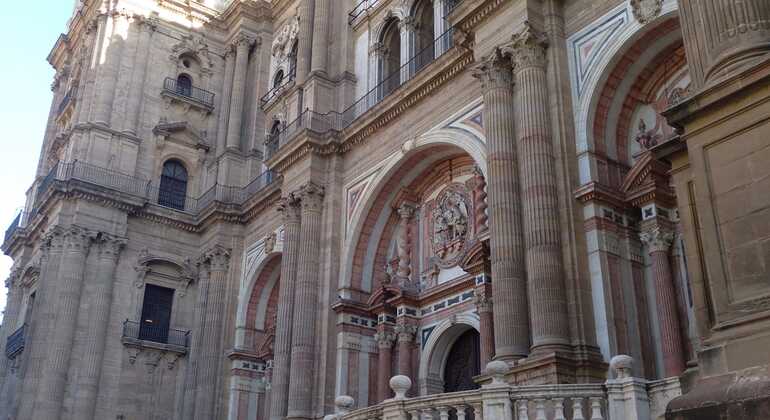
x=390 y=62
x=184 y=85
x=278 y=79
x=156 y=313
x=173 y=185
x=293 y=59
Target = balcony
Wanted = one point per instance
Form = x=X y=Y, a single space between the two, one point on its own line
x=66 y=101
x=271 y=94
x=144 y=335
x=15 y=343
x=392 y=83
x=189 y=94
x=14 y=227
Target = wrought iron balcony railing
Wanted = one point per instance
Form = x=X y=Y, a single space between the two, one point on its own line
x=277 y=90
x=134 y=330
x=15 y=342
x=389 y=84
x=13 y=227
x=192 y=93
x=68 y=97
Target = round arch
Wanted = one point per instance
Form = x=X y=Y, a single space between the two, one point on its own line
x=449 y=137
x=437 y=348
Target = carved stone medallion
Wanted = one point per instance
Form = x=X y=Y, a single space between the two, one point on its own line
x=449 y=225
x=646 y=10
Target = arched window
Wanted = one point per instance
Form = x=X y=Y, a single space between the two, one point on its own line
x=293 y=59
x=173 y=185
x=391 y=57
x=278 y=79
x=425 y=35
x=184 y=85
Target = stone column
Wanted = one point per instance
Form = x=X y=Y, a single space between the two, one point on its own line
x=384 y=363
x=87 y=386
x=193 y=362
x=211 y=355
x=506 y=237
x=10 y=318
x=50 y=393
x=407 y=31
x=480 y=200
x=722 y=37
x=658 y=242
x=484 y=306
x=540 y=197
x=405 y=214
x=306 y=308
x=109 y=68
x=242 y=45
x=224 y=106
x=136 y=92
x=406 y=335
x=305 y=39
x=279 y=391
x=320 y=36
x=41 y=322
x=88 y=54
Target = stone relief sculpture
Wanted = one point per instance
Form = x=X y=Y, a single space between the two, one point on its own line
x=449 y=226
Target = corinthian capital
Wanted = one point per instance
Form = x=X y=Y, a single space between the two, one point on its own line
x=110 y=246
x=657 y=239
x=219 y=257
x=243 y=41
x=527 y=48
x=385 y=339
x=312 y=196
x=289 y=206
x=77 y=238
x=405 y=332
x=494 y=72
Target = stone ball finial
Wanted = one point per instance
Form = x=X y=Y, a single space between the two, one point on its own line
x=400 y=384
x=344 y=403
x=497 y=370
x=621 y=365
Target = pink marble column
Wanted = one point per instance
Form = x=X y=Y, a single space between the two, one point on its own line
x=384 y=364
x=506 y=237
x=539 y=197
x=658 y=242
x=486 y=326
x=480 y=200
x=405 y=214
x=279 y=391
x=406 y=334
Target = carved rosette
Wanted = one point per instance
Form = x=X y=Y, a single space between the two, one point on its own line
x=527 y=48
x=494 y=72
x=218 y=257
x=657 y=239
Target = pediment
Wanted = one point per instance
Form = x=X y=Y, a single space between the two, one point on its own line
x=181 y=133
x=648 y=180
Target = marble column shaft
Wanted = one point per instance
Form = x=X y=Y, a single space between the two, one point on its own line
x=50 y=393
x=224 y=106
x=279 y=392
x=41 y=322
x=87 y=386
x=136 y=91
x=109 y=65
x=191 y=373
x=305 y=39
x=303 y=337
x=506 y=235
x=405 y=339
x=659 y=242
x=384 y=364
x=405 y=213
x=539 y=197
x=211 y=355
x=321 y=36
x=242 y=46
x=486 y=328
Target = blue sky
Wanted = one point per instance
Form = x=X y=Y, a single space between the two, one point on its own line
x=27 y=34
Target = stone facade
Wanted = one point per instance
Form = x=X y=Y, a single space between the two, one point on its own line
x=268 y=209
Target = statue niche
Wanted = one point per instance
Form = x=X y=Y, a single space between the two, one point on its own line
x=449 y=225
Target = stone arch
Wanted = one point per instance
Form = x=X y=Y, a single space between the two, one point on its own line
x=436 y=350
x=394 y=12
x=425 y=146
x=262 y=298
x=600 y=71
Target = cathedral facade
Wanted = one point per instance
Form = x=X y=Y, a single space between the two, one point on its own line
x=397 y=209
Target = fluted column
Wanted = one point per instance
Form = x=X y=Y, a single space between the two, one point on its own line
x=484 y=307
x=208 y=381
x=405 y=214
x=224 y=107
x=88 y=54
x=506 y=238
x=108 y=251
x=305 y=305
x=242 y=45
x=42 y=319
x=136 y=92
x=50 y=394
x=321 y=36
x=305 y=39
x=384 y=363
x=109 y=65
x=279 y=391
x=658 y=241
x=406 y=334
x=10 y=319
x=191 y=373
x=539 y=198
